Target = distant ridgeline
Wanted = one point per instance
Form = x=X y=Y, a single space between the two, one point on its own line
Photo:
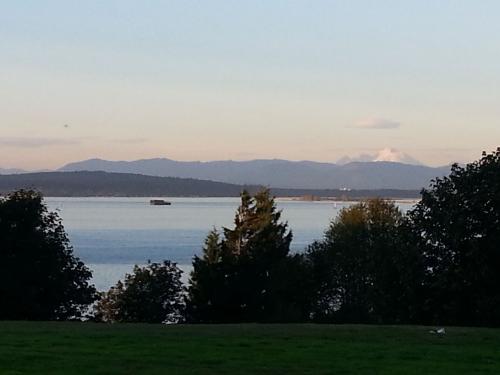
x=85 y=184
x=278 y=173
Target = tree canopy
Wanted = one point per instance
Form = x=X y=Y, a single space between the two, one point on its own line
x=151 y=294
x=457 y=226
x=363 y=270
x=40 y=278
x=246 y=274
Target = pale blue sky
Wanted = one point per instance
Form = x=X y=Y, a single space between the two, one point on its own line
x=205 y=80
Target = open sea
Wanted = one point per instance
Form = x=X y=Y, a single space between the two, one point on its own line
x=112 y=234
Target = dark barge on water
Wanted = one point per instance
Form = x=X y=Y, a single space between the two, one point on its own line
x=159 y=202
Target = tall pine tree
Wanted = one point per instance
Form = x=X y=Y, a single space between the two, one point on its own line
x=247 y=274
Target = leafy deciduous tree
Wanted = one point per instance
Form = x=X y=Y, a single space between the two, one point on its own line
x=457 y=225
x=363 y=269
x=151 y=294
x=40 y=278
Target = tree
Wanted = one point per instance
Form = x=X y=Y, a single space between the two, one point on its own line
x=151 y=294
x=247 y=273
x=457 y=226
x=363 y=269
x=40 y=278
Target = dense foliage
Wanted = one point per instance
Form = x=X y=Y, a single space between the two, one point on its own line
x=152 y=294
x=248 y=274
x=457 y=226
x=364 y=270
x=40 y=278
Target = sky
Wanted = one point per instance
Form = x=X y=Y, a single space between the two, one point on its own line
x=211 y=80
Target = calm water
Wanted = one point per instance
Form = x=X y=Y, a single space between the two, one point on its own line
x=112 y=234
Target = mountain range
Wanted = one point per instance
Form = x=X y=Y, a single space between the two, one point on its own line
x=277 y=173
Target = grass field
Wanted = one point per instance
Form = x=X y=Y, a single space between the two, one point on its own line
x=86 y=348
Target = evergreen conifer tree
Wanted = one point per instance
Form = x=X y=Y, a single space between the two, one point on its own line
x=248 y=273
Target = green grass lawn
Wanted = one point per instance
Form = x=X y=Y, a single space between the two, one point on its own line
x=87 y=348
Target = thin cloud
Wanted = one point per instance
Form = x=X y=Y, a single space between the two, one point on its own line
x=35 y=142
x=376 y=123
x=129 y=140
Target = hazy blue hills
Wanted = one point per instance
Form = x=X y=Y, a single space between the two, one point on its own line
x=84 y=183
x=278 y=173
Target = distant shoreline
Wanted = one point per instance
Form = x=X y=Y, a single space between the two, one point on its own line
x=278 y=198
x=338 y=199
x=106 y=184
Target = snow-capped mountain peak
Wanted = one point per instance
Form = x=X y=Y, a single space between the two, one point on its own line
x=390 y=154
x=386 y=154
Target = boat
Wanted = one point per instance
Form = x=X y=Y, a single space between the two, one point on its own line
x=159 y=202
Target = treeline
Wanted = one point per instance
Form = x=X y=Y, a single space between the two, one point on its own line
x=438 y=263
x=88 y=184
x=105 y=184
